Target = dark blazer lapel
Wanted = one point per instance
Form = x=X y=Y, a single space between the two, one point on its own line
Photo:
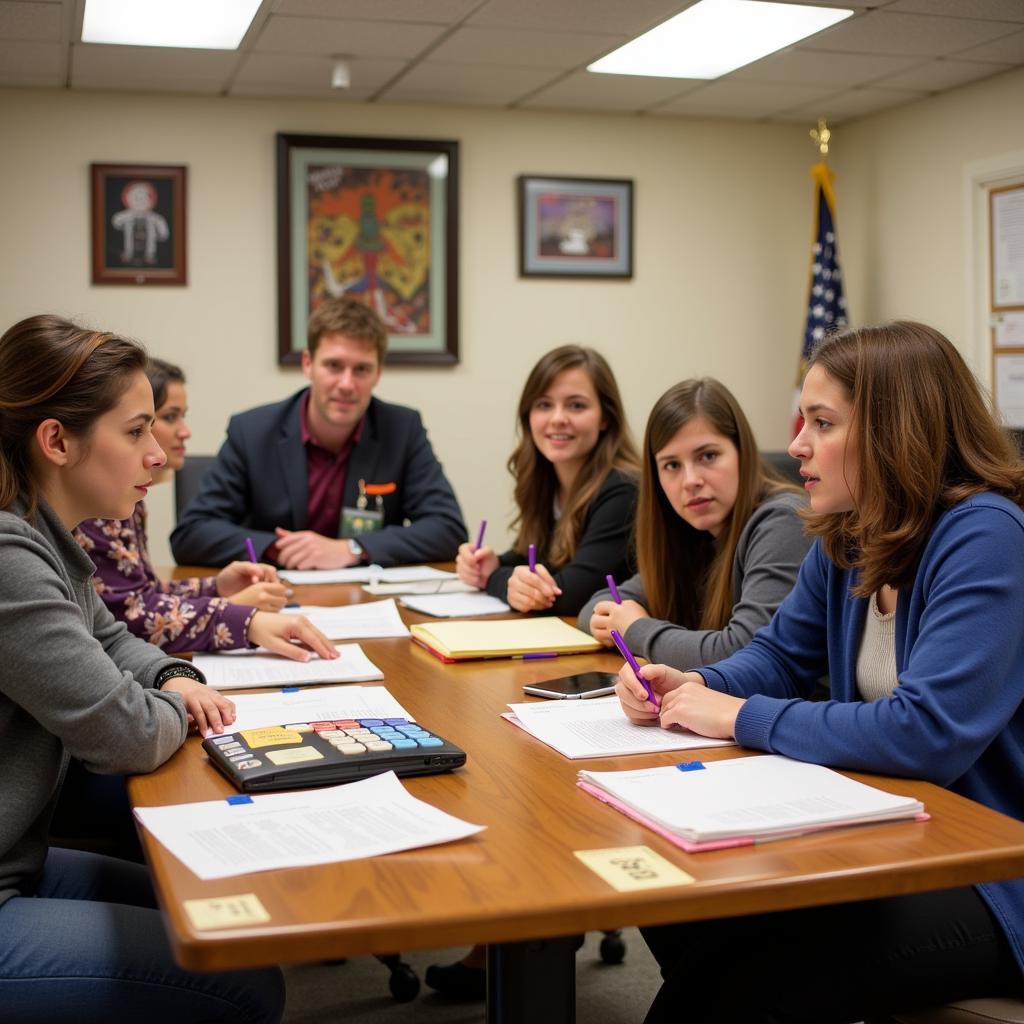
x=292 y=456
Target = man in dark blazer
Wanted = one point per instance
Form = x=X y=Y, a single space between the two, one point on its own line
x=330 y=477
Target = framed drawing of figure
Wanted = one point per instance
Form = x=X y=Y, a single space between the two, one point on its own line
x=138 y=224
x=376 y=219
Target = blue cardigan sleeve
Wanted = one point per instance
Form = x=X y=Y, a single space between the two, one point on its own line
x=959 y=657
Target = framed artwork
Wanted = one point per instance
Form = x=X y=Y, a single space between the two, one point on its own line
x=138 y=224
x=575 y=227
x=377 y=219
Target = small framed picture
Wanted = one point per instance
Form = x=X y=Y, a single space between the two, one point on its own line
x=575 y=227
x=138 y=224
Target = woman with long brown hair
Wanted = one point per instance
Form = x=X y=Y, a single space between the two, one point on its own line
x=719 y=537
x=912 y=599
x=575 y=470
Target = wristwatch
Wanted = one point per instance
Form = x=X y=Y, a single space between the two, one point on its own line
x=356 y=548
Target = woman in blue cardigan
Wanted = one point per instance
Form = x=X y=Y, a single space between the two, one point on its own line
x=912 y=599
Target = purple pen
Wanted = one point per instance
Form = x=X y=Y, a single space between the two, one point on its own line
x=610 y=580
x=250 y=549
x=631 y=661
x=533 y=557
x=480 y=535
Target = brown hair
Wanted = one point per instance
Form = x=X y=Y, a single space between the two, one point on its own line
x=161 y=375
x=536 y=483
x=50 y=368
x=923 y=438
x=687 y=573
x=348 y=316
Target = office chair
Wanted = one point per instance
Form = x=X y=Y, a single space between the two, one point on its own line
x=1000 y=1010
x=188 y=480
x=785 y=465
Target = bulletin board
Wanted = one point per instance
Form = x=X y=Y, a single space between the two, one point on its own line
x=1006 y=300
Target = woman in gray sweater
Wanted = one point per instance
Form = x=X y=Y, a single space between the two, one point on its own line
x=80 y=935
x=719 y=538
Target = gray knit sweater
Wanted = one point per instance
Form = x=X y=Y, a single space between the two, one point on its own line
x=768 y=555
x=73 y=681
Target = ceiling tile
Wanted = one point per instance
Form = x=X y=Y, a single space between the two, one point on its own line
x=937 y=75
x=95 y=61
x=745 y=99
x=32 y=79
x=850 y=104
x=809 y=67
x=39 y=22
x=466 y=83
x=350 y=38
x=299 y=74
x=436 y=12
x=995 y=10
x=524 y=47
x=31 y=58
x=590 y=91
x=1008 y=50
x=149 y=83
x=611 y=16
x=882 y=32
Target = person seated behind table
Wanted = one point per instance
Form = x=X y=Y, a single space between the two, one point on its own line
x=575 y=471
x=326 y=478
x=913 y=598
x=719 y=537
x=80 y=935
x=209 y=613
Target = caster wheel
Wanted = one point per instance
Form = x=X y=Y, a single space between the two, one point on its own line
x=404 y=984
x=613 y=949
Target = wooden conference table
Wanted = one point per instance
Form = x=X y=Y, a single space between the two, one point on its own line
x=518 y=885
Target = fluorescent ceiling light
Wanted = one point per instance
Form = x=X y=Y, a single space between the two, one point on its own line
x=717 y=36
x=196 y=24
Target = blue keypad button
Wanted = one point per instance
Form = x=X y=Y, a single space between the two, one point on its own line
x=403 y=744
x=368 y=723
x=396 y=721
x=409 y=729
x=430 y=741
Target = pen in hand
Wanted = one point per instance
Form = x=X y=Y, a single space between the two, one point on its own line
x=250 y=550
x=631 y=661
x=480 y=535
x=610 y=580
x=532 y=555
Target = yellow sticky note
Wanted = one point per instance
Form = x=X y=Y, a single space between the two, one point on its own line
x=226 y=912
x=272 y=736
x=295 y=755
x=628 y=868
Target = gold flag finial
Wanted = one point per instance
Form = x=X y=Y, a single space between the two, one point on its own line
x=820 y=136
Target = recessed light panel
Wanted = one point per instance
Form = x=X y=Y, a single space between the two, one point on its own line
x=196 y=24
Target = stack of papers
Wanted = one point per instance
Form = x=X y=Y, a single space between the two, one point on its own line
x=221 y=838
x=234 y=669
x=354 y=621
x=502 y=638
x=319 y=704
x=451 y=606
x=599 y=728
x=745 y=800
x=367 y=574
x=422 y=587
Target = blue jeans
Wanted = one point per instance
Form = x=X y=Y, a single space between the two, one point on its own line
x=90 y=946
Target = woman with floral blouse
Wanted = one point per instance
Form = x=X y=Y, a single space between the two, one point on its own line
x=210 y=613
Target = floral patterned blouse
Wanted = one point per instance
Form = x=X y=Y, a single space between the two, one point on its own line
x=176 y=615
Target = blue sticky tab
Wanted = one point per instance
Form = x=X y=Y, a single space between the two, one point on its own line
x=240 y=799
x=289 y=689
x=691 y=766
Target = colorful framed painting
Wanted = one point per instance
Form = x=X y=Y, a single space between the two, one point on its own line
x=138 y=224
x=376 y=219
x=575 y=227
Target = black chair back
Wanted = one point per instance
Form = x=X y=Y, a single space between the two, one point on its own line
x=784 y=464
x=189 y=479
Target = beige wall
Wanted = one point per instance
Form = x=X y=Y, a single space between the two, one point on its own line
x=722 y=234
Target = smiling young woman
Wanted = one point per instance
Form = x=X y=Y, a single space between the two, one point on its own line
x=76 y=415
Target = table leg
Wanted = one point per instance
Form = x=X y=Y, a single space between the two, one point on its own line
x=532 y=982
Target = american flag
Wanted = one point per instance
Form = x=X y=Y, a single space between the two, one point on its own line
x=826 y=305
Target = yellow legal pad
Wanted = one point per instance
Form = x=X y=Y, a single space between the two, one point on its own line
x=502 y=638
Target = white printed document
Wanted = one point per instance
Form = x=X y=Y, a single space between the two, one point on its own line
x=448 y=606
x=366 y=574
x=599 y=728
x=374 y=619
x=239 y=835
x=258 y=667
x=423 y=587
x=745 y=799
x=315 y=704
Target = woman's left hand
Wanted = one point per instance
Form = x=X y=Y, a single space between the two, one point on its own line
x=531 y=591
x=208 y=710
x=608 y=616
x=701 y=710
x=239 y=575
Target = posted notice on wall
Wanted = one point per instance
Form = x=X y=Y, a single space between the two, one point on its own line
x=1009 y=382
x=1008 y=247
